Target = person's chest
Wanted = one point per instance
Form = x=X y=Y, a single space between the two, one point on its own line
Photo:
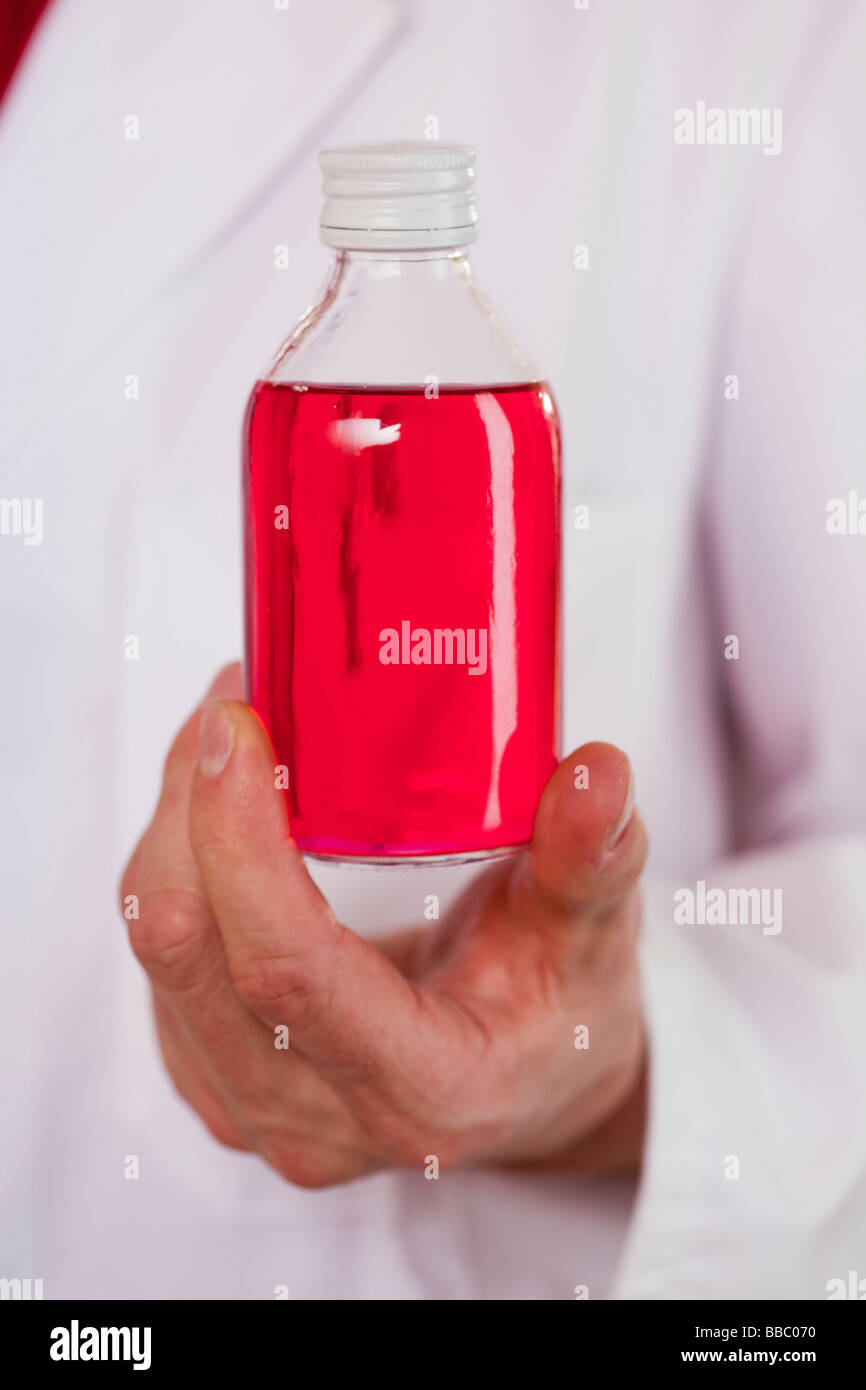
x=156 y=207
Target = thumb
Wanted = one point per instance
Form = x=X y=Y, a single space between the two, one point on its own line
x=290 y=960
x=589 y=843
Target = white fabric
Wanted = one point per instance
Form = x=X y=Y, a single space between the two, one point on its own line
x=155 y=258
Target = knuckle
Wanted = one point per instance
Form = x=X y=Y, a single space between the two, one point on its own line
x=298 y=1165
x=224 y=1131
x=167 y=935
x=282 y=984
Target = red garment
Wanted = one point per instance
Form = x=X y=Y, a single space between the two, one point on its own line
x=18 y=19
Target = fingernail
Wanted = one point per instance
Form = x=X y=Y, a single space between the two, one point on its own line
x=215 y=739
x=625 y=815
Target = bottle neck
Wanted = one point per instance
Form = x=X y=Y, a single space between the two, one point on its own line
x=356 y=268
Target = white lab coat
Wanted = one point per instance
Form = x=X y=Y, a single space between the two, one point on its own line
x=154 y=258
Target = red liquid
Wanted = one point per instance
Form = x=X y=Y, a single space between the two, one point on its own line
x=405 y=515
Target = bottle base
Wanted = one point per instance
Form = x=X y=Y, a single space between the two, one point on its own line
x=415 y=861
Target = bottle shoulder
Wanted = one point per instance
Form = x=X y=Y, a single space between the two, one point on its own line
x=400 y=322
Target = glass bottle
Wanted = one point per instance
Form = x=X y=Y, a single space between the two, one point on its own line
x=401 y=488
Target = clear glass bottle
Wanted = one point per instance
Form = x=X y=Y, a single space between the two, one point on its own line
x=402 y=536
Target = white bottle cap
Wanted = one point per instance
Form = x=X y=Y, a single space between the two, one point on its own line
x=398 y=196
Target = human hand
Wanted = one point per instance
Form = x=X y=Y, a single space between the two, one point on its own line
x=457 y=1040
